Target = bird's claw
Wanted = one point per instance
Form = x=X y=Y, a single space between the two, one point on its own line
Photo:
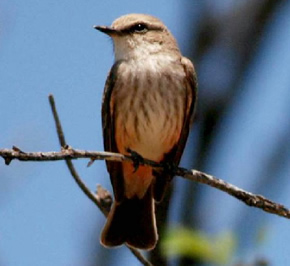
x=136 y=158
x=169 y=167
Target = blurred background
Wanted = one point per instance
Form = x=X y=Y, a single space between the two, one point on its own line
x=241 y=50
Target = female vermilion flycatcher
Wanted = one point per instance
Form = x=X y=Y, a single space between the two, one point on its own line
x=148 y=102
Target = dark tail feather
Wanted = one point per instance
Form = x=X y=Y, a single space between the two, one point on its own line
x=131 y=221
x=160 y=187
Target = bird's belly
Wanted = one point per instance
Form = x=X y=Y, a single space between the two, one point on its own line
x=148 y=113
x=151 y=135
x=149 y=131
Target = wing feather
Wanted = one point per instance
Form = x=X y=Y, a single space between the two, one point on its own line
x=114 y=168
x=174 y=156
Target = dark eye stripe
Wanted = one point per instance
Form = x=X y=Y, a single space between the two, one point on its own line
x=140 y=27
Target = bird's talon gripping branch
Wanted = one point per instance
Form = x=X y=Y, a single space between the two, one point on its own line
x=170 y=168
x=136 y=157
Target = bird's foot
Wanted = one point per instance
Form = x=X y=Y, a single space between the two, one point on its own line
x=169 y=168
x=136 y=158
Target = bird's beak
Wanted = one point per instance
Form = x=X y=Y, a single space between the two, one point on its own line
x=107 y=30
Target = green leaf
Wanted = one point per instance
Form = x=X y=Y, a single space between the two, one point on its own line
x=181 y=241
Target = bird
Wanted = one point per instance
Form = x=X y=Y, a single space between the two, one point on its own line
x=148 y=103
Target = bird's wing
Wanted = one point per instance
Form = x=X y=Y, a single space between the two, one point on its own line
x=174 y=156
x=114 y=168
x=190 y=83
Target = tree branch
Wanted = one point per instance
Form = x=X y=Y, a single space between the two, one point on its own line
x=68 y=153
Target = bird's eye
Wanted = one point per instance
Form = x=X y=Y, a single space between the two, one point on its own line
x=139 y=28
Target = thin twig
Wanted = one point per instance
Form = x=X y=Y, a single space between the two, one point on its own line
x=68 y=161
x=66 y=153
x=102 y=198
x=58 y=126
x=250 y=199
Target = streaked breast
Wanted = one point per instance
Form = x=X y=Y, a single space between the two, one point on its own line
x=148 y=102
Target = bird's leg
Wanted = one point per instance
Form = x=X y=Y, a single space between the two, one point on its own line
x=136 y=157
x=169 y=168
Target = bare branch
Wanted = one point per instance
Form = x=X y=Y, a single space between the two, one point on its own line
x=66 y=153
x=250 y=199
x=253 y=200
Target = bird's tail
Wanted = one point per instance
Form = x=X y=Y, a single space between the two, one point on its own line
x=131 y=221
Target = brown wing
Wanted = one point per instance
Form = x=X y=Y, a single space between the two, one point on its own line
x=190 y=84
x=114 y=168
x=174 y=156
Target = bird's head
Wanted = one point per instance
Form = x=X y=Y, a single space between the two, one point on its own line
x=137 y=36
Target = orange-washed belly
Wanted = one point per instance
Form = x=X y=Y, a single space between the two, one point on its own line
x=148 y=120
x=136 y=182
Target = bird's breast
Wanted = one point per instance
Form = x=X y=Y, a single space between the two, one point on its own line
x=148 y=105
